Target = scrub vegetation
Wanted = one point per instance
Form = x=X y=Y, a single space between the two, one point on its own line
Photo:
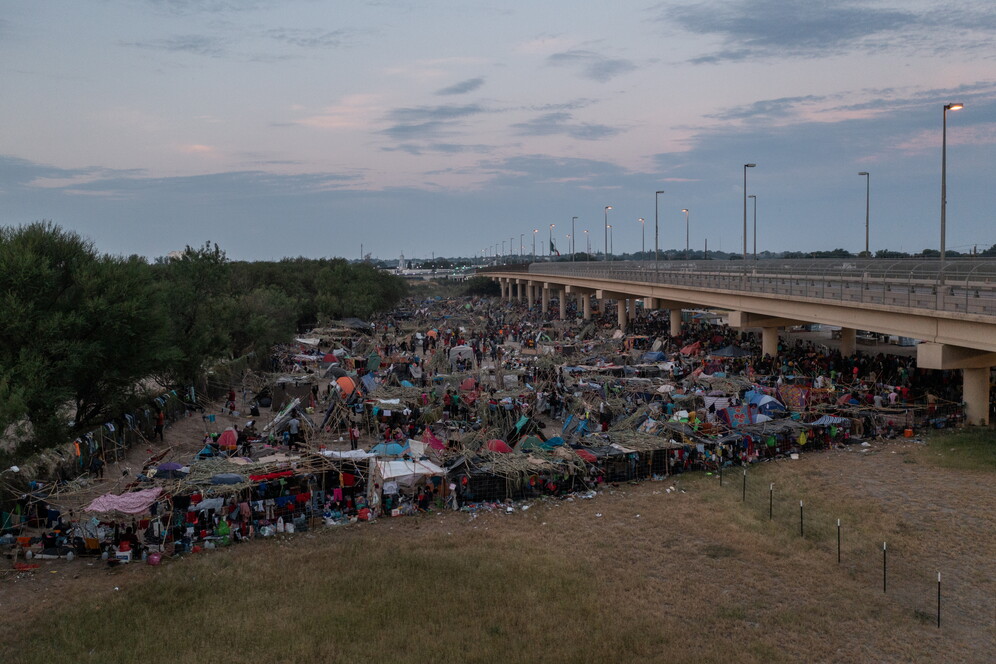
x=89 y=330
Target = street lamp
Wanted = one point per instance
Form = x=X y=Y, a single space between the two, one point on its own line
x=867 y=207
x=503 y=248
x=573 y=219
x=606 y=232
x=685 y=210
x=754 y=196
x=535 y=231
x=746 y=166
x=944 y=178
x=522 y=246
x=587 y=242
x=657 y=230
x=611 y=252
x=549 y=251
x=643 y=235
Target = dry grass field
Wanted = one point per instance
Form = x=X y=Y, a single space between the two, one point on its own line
x=637 y=574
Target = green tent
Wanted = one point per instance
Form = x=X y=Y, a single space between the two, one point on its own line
x=373 y=362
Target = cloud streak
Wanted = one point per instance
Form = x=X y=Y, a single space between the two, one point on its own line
x=462 y=88
x=592 y=65
x=560 y=123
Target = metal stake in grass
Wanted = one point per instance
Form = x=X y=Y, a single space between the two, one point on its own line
x=838 y=541
x=884 y=567
x=938 y=599
x=720 y=472
x=801 y=532
x=744 y=499
x=771 y=499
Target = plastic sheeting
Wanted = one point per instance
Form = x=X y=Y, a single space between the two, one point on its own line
x=136 y=502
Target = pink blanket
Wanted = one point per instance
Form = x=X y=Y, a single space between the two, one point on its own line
x=127 y=503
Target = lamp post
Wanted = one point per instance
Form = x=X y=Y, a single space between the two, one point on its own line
x=535 y=231
x=944 y=180
x=611 y=252
x=746 y=166
x=587 y=242
x=605 y=247
x=867 y=207
x=657 y=231
x=643 y=235
x=573 y=219
x=522 y=246
x=549 y=250
x=503 y=248
x=754 y=196
x=685 y=210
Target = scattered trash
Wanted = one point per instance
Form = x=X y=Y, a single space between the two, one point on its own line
x=598 y=515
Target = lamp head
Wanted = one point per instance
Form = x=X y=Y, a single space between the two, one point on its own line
x=953 y=107
x=684 y=209
x=608 y=207
x=658 y=192
x=749 y=165
x=641 y=220
x=863 y=173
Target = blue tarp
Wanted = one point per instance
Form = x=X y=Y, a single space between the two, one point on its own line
x=654 y=356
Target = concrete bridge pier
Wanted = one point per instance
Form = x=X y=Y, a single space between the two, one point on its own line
x=621 y=314
x=848 y=341
x=562 y=297
x=545 y=299
x=518 y=289
x=975 y=367
x=584 y=299
x=676 y=322
x=769 y=341
x=530 y=294
x=769 y=328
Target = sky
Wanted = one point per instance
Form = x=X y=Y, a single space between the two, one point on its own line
x=280 y=128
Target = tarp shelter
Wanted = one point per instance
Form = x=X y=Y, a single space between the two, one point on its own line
x=406 y=473
x=730 y=351
x=346 y=384
x=373 y=362
x=461 y=353
x=829 y=420
x=767 y=405
x=654 y=356
x=388 y=449
x=691 y=349
x=172 y=470
x=136 y=502
x=499 y=446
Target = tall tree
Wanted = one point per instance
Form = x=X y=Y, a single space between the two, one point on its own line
x=78 y=331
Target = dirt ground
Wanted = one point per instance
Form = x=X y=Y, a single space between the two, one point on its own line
x=744 y=579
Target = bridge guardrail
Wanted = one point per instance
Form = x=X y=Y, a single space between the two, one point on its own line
x=967 y=287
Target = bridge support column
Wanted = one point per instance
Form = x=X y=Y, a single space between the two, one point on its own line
x=562 y=298
x=651 y=304
x=675 y=322
x=769 y=341
x=621 y=312
x=518 y=289
x=586 y=301
x=545 y=299
x=848 y=341
x=975 y=391
x=530 y=294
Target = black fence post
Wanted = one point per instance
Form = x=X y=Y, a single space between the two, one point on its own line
x=838 y=541
x=744 y=499
x=771 y=500
x=938 y=600
x=884 y=567
x=801 y=531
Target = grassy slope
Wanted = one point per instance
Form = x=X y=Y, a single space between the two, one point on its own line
x=682 y=576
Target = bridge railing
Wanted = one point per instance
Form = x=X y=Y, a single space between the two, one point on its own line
x=967 y=286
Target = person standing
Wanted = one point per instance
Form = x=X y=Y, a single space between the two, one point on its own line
x=354 y=436
x=160 y=424
x=294 y=429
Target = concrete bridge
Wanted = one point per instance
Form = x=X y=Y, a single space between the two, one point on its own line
x=952 y=311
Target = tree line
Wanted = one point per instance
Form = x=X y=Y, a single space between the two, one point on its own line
x=83 y=335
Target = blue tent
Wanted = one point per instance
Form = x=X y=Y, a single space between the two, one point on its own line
x=389 y=449
x=654 y=356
